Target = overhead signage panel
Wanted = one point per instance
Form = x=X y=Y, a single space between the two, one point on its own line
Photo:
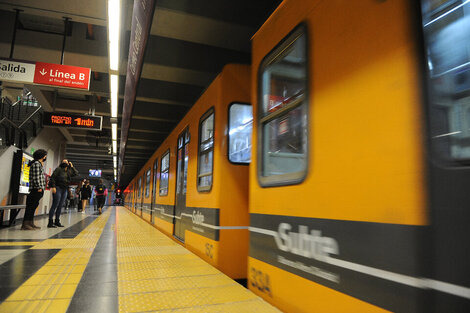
x=62 y=75
x=45 y=74
x=62 y=119
x=19 y=72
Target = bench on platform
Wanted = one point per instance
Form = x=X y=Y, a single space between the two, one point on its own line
x=16 y=209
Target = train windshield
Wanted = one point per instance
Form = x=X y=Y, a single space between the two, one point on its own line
x=446 y=27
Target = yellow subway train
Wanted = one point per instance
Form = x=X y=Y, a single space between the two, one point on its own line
x=343 y=187
x=202 y=196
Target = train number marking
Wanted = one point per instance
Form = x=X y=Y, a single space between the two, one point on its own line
x=209 y=249
x=261 y=281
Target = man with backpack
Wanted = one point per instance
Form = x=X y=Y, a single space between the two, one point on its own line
x=101 y=192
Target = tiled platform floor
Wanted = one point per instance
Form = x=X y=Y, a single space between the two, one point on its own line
x=117 y=263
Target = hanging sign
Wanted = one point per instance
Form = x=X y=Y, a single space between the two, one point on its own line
x=45 y=74
x=62 y=119
x=16 y=71
x=142 y=16
x=62 y=75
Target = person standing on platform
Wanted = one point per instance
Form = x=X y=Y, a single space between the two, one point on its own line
x=59 y=183
x=101 y=192
x=37 y=184
x=85 y=194
x=79 y=197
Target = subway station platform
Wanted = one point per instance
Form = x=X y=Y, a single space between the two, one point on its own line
x=115 y=262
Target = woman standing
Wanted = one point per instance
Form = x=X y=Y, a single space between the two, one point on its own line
x=85 y=194
x=59 y=184
x=37 y=183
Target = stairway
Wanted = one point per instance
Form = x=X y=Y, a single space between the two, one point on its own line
x=20 y=122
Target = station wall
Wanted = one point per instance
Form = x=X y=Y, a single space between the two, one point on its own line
x=53 y=142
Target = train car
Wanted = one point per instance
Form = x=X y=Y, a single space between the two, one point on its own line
x=358 y=199
x=196 y=183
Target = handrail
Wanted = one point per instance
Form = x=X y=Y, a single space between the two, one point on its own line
x=29 y=117
x=6 y=119
x=15 y=103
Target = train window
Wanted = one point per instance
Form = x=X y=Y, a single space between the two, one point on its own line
x=446 y=26
x=139 y=184
x=147 y=183
x=164 y=174
x=154 y=189
x=240 y=127
x=282 y=131
x=206 y=151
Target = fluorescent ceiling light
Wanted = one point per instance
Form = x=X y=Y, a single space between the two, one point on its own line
x=115 y=161
x=114 y=81
x=114 y=29
x=114 y=131
x=114 y=84
x=114 y=146
x=114 y=105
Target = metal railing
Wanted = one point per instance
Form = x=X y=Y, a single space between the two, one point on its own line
x=19 y=124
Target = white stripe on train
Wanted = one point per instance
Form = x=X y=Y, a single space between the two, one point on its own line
x=418 y=282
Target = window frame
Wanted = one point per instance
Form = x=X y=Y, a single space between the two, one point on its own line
x=154 y=181
x=149 y=182
x=228 y=134
x=205 y=189
x=139 y=187
x=161 y=171
x=261 y=119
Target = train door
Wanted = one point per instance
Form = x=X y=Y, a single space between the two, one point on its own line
x=446 y=29
x=134 y=191
x=139 y=195
x=142 y=194
x=181 y=179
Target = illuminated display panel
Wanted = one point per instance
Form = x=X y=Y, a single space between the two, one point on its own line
x=24 y=176
x=61 y=119
x=94 y=173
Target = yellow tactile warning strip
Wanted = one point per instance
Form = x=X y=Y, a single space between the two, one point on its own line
x=155 y=274
x=19 y=243
x=52 y=287
x=53 y=244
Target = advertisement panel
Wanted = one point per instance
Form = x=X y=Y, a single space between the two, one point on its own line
x=24 y=174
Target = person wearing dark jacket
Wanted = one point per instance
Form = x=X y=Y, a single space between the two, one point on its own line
x=101 y=192
x=37 y=184
x=59 y=184
x=85 y=194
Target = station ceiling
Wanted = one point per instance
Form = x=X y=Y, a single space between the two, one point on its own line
x=190 y=42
